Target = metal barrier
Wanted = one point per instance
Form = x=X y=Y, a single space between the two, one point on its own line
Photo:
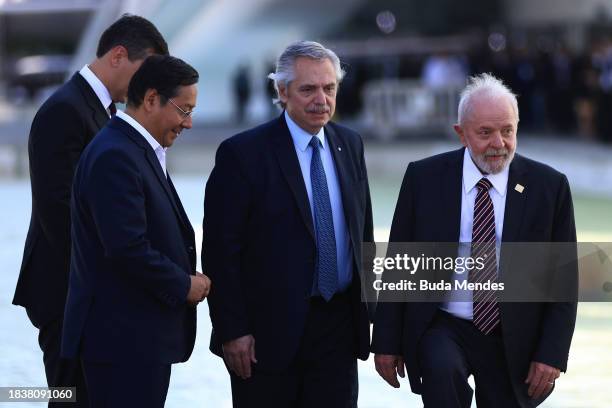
x=393 y=107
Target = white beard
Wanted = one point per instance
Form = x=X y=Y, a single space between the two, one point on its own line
x=492 y=168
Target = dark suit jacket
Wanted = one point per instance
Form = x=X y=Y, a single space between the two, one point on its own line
x=133 y=250
x=61 y=129
x=259 y=245
x=429 y=210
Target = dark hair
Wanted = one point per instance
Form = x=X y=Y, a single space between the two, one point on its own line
x=137 y=34
x=165 y=74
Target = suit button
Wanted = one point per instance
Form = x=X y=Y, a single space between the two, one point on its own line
x=190 y=249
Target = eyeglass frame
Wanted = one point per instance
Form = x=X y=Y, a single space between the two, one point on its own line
x=186 y=114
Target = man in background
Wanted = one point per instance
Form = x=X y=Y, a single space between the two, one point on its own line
x=61 y=129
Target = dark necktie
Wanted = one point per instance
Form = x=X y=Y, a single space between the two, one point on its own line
x=486 y=309
x=327 y=269
x=112 y=108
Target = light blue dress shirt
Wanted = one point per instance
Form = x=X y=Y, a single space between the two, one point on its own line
x=301 y=138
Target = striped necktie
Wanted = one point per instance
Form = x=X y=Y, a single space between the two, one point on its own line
x=486 y=309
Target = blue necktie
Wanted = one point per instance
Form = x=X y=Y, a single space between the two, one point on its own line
x=327 y=269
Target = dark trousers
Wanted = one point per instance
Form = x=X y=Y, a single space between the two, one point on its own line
x=450 y=351
x=324 y=372
x=129 y=385
x=61 y=372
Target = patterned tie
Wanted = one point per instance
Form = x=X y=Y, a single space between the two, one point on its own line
x=327 y=269
x=486 y=309
x=112 y=109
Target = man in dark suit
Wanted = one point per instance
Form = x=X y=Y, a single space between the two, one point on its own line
x=481 y=194
x=286 y=209
x=61 y=129
x=130 y=311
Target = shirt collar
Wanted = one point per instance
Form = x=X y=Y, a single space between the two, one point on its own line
x=144 y=132
x=97 y=86
x=471 y=176
x=301 y=138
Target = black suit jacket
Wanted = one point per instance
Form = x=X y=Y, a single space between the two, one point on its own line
x=133 y=252
x=259 y=245
x=61 y=129
x=429 y=210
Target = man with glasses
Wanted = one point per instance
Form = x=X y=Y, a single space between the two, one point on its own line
x=184 y=114
x=133 y=290
x=61 y=129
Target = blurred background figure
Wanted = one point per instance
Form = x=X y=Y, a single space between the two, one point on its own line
x=242 y=92
x=441 y=71
x=405 y=60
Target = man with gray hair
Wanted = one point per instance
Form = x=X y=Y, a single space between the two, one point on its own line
x=483 y=195
x=286 y=209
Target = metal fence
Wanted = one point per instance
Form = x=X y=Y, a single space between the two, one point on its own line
x=394 y=107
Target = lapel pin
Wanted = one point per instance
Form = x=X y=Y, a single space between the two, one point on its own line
x=339 y=149
x=519 y=188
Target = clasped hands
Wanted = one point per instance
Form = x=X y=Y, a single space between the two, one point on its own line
x=199 y=289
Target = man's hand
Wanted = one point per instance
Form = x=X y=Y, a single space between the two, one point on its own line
x=388 y=366
x=541 y=379
x=200 y=286
x=239 y=354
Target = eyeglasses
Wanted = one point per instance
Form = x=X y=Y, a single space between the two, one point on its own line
x=185 y=114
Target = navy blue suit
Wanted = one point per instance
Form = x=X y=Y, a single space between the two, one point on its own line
x=132 y=255
x=259 y=245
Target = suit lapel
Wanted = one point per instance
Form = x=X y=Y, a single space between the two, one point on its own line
x=513 y=216
x=161 y=177
x=153 y=162
x=98 y=112
x=342 y=162
x=181 y=209
x=448 y=209
x=290 y=168
x=515 y=200
x=449 y=198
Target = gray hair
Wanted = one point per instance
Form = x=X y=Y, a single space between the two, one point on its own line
x=284 y=73
x=484 y=85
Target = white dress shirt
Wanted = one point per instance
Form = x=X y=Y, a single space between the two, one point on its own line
x=471 y=176
x=98 y=87
x=160 y=151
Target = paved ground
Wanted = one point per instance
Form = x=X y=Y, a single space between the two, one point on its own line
x=203 y=381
